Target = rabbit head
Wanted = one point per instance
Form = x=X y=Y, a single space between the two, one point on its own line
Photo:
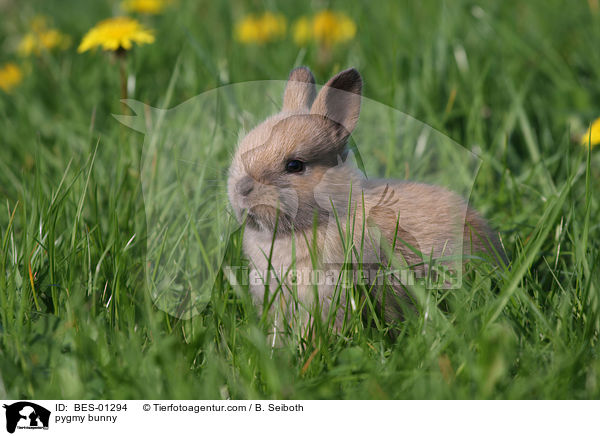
x=278 y=164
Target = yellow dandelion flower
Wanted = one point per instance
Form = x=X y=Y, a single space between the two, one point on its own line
x=273 y=25
x=41 y=38
x=260 y=29
x=333 y=27
x=248 y=30
x=595 y=134
x=54 y=38
x=114 y=34
x=10 y=76
x=28 y=44
x=152 y=7
x=36 y=42
x=302 y=31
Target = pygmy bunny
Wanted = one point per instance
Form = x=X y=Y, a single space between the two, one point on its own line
x=307 y=209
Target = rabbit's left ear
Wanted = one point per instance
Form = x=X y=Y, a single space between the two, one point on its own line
x=300 y=90
x=339 y=100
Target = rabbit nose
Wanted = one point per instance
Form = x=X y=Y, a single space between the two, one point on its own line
x=245 y=186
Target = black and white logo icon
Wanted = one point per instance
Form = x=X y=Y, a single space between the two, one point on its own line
x=26 y=415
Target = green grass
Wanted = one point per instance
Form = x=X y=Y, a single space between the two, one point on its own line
x=77 y=319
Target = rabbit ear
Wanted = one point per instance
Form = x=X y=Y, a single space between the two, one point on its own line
x=300 y=90
x=339 y=100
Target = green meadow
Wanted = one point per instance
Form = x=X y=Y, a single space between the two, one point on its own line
x=516 y=83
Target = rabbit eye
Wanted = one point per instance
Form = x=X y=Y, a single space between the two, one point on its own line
x=294 y=166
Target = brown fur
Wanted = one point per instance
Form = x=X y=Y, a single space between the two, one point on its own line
x=418 y=217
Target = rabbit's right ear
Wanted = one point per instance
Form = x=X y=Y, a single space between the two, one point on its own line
x=339 y=101
x=300 y=90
